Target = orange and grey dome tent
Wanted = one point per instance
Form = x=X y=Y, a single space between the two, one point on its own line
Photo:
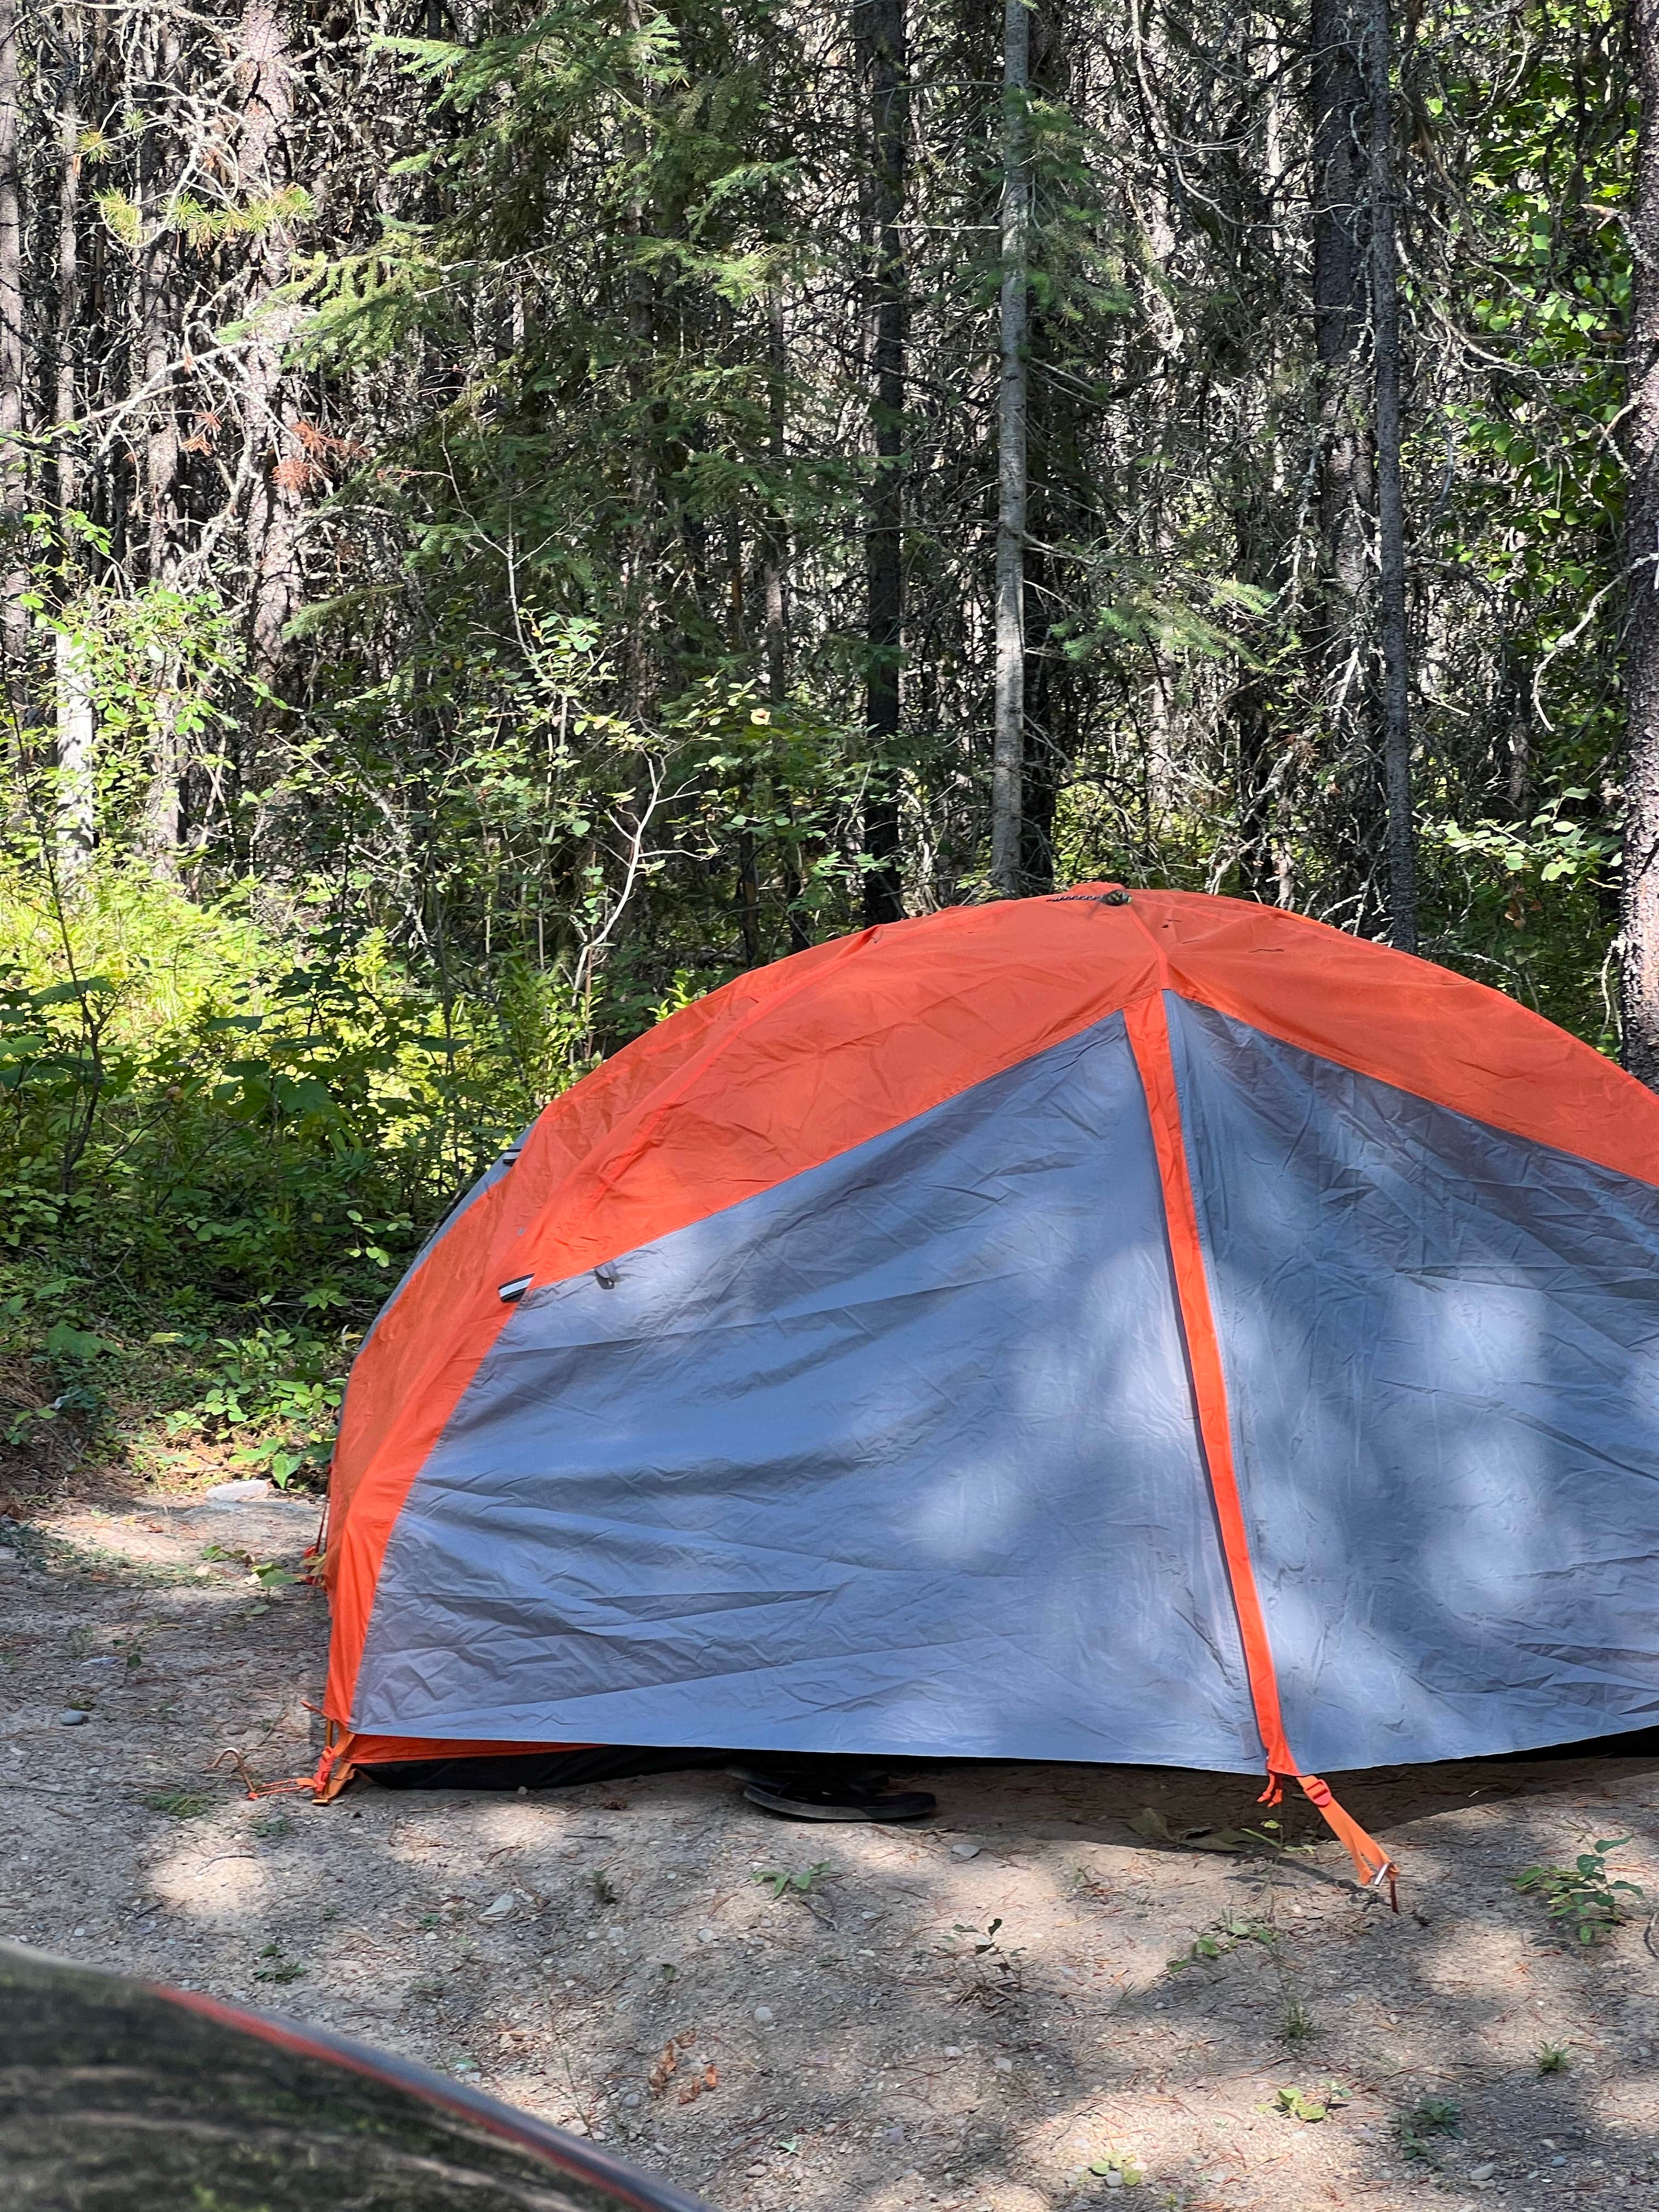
x=1136 y=1327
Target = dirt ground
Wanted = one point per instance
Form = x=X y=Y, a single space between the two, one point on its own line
x=608 y=1958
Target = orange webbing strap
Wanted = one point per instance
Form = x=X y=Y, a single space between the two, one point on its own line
x=1371 y=1864
x=334 y=1768
x=1149 y=1040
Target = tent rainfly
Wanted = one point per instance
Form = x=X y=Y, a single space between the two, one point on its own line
x=1139 y=1328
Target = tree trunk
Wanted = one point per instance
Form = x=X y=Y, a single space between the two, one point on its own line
x=278 y=468
x=1008 y=756
x=157 y=308
x=1336 y=100
x=1639 y=968
x=14 y=579
x=774 y=565
x=68 y=302
x=77 y=723
x=1251 y=705
x=881 y=34
x=158 y=317
x=1054 y=475
x=76 y=821
x=1390 y=497
x=775 y=549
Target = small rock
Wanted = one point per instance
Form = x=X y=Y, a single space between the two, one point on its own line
x=953 y=2051
x=892 y=2135
x=238 y=1494
x=106 y=1660
x=964 y=1850
x=1114 y=2179
x=73 y=1716
x=500 y=1908
x=763 y=2014
x=705 y=1936
x=1004 y=2065
x=631 y=2098
x=1484 y=2171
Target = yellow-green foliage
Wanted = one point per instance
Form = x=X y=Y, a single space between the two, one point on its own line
x=220 y=1142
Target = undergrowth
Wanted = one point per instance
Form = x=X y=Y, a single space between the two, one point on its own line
x=220 y=1145
x=1584 y=1896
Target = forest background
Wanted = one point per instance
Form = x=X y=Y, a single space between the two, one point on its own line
x=509 y=518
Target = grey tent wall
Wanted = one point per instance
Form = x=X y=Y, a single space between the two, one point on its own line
x=897 y=1457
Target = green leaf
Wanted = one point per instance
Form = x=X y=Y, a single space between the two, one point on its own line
x=65 y=1341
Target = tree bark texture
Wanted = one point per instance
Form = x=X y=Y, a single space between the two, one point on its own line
x=1639 y=968
x=1393 y=640
x=1008 y=756
x=882 y=36
x=14 y=621
x=157 y=309
x=77 y=808
x=277 y=466
x=775 y=552
x=68 y=302
x=1251 y=701
x=76 y=725
x=774 y=564
x=1336 y=99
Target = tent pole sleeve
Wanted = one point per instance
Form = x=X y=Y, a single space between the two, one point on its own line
x=1148 y=1026
x=1149 y=1036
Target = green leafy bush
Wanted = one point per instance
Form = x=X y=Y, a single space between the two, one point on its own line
x=217 y=1155
x=1585 y=1895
